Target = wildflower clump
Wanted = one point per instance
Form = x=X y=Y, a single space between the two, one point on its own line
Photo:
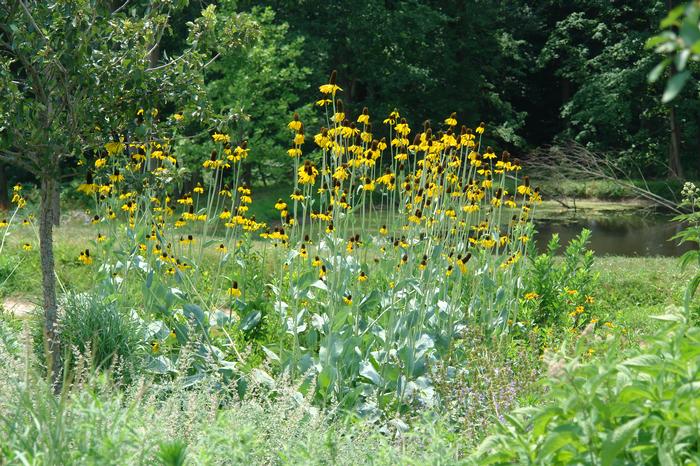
x=391 y=240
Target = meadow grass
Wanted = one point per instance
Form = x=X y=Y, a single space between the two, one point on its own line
x=631 y=288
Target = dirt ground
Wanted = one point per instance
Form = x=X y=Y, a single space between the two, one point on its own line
x=18 y=306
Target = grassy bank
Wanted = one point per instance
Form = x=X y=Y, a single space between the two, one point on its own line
x=607 y=190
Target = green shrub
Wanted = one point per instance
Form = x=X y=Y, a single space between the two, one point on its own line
x=639 y=407
x=562 y=288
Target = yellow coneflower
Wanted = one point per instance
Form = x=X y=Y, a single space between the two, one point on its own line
x=322 y=272
x=525 y=187
x=221 y=138
x=222 y=248
x=189 y=239
x=307 y=173
x=451 y=120
x=331 y=87
x=85 y=258
x=393 y=116
x=481 y=128
x=383 y=230
x=362 y=277
x=295 y=124
x=101 y=238
x=316 y=262
x=364 y=117
x=27 y=247
x=280 y=205
x=347 y=299
x=199 y=189
x=234 y=290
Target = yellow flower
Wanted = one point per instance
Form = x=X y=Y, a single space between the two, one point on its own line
x=85 y=258
x=347 y=299
x=101 y=238
x=452 y=120
x=531 y=296
x=329 y=88
x=364 y=118
x=481 y=128
x=403 y=129
x=223 y=138
x=307 y=173
x=295 y=124
x=362 y=277
x=27 y=247
x=114 y=147
x=234 y=290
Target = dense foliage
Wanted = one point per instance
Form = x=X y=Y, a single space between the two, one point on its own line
x=474 y=57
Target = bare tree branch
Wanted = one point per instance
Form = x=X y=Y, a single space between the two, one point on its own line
x=575 y=162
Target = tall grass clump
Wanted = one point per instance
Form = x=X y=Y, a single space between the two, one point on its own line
x=94 y=330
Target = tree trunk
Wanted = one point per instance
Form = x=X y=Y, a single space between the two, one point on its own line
x=46 y=221
x=675 y=170
x=4 y=189
x=56 y=201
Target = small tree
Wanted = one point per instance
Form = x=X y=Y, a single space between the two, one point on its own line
x=74 y=74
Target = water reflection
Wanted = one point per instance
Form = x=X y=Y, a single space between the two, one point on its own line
x=621 y=234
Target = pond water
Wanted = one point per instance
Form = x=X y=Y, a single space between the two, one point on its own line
x=627 y=232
